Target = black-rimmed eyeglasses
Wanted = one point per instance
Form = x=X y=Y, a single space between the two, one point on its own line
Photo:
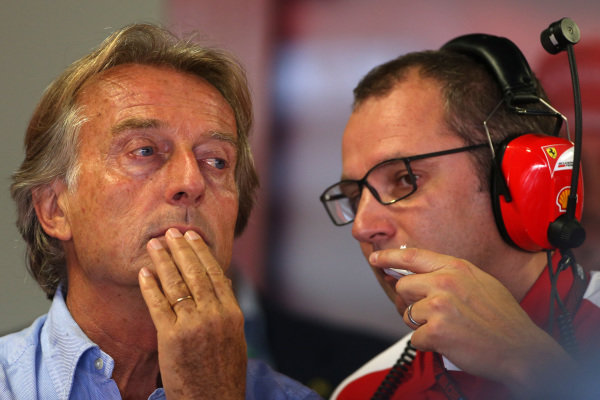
x=389 y=181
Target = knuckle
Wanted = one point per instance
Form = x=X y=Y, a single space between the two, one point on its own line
x=214 y=269
x=441 y=304
x=154 y=302
x=460 y=265
x=180 y=287
x=410 y=255
x=445 y=281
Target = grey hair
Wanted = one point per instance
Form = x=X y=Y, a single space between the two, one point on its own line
x=51 y=140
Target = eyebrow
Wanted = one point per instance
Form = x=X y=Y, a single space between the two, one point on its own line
x=225 y=137
x=149 y=123
x=135 y=123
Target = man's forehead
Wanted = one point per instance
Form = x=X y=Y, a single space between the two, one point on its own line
x=379 y=131
x=133 y=79
x=133 y=94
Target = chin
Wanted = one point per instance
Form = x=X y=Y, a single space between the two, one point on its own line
x=388 y=283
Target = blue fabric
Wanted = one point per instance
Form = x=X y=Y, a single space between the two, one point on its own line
x=54 y=359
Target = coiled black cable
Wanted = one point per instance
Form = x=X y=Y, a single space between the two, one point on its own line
x=394 y=377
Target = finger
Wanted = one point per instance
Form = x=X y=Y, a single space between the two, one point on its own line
x=412 y=259
x=192 y=268
x=411 y=317
x=171 y=281
x=158 y=305
x=433 y=272
x=220 y=282
x=446 y=280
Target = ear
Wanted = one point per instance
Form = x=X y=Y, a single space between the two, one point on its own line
x=50 y=206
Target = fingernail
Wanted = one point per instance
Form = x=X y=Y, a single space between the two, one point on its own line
x=155 y=244
x=145 y=272
x=174 y=233
x=373 y=257
x=192 y=235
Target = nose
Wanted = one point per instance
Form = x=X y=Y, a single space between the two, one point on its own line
x=372 y=222
x=185 y=184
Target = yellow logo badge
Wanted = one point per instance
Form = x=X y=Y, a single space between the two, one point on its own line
x=551 y=152
x=563 y=198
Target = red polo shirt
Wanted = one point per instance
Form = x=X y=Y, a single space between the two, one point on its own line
x=420 y=382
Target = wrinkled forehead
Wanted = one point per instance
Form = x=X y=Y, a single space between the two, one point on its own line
x=137 y=80
x=141 y=92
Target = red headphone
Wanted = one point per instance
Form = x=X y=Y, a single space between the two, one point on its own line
x=533 y=173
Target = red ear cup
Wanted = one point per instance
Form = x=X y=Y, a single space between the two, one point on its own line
x=537 y=170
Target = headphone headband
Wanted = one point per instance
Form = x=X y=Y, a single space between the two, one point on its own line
x=504 y=60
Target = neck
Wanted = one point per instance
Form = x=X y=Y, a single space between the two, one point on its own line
x=519 y=270
x=116 y=319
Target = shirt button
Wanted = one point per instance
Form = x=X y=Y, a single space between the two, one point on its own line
x=98 y=363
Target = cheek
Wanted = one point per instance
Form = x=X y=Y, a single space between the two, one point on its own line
x=444 y=223
x=223 y=213
x=103 y=207
x=223 y=203
x=113 y=194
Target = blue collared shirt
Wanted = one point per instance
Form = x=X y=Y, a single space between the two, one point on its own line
x=54 y=359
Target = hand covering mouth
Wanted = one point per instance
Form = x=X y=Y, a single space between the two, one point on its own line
x=160 y=234
x=397 y=272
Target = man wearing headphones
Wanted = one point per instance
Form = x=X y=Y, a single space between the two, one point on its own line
x=417 y=168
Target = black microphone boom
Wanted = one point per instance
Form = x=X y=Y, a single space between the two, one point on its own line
x=566 y=232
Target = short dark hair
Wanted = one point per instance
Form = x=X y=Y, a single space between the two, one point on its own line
x=470 y=93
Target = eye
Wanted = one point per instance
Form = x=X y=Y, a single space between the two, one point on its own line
x=145 y=151
x=406 y=179
x=217 y=163
x=400 y=185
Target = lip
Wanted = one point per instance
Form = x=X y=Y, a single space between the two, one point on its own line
x=378 y=248
x=160 y=234
x=380 y=270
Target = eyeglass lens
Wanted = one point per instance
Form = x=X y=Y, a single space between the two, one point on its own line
x=388 y=182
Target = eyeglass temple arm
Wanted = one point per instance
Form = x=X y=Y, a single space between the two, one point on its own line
x=500 y=181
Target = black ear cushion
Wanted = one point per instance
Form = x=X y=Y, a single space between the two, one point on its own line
x=499 y=189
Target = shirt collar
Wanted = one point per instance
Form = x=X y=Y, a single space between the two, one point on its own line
x=536 y=301
x=64 y=344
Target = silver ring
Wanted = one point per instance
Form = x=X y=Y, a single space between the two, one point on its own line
x=410 y=317
x=179 y=300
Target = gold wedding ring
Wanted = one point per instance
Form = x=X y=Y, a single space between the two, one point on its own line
x=179 y=300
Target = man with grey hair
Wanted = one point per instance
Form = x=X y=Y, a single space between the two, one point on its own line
x=136 y=179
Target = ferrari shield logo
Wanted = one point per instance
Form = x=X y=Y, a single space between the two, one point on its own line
x=551 y=152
